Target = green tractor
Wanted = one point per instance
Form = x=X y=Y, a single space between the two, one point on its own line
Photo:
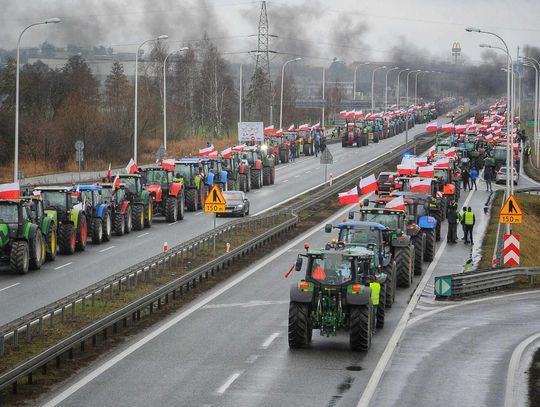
x=334 y=294
x=22 y=242
x=268 y=165
x=139 y=199
x=191 y=173
x=46 y=224
x=253 y=157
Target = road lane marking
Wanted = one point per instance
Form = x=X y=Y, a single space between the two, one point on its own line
x=512 y=392
x=251 y=359
x=269 y=340
x=228 y=383
x=63 y=265
x=173 y=223
x=285 y=180
x=199 y=213
x=9 y=286
x=244 y=304
x=107 y=249
x=144 y=234
x=296 y=176
x=307 y=172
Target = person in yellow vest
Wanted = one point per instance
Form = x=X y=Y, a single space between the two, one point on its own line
x=469 y=225
x=375 y=294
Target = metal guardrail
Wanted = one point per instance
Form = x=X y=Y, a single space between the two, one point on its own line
x=460 y=286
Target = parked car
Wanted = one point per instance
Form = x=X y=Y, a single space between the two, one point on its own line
x=500 y=176
x=385 y=182
x=237 y=203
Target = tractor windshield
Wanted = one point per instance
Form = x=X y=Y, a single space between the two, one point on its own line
x=359 y=236
x=106 y=195
x=160 y=177
x=184 y=171
x=332 y=269
x=55 y=199
x=443 y=174
x=131 y=184
x=390 y=221
x=9 y=212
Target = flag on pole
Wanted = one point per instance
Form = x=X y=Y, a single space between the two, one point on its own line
x=291 y=128
x=213 y=155
x=421 y=161
x=168 y=164
x=279 y=133
x=368 y=184
x=427 y=171
x=10 y=191
x=227 y=153
x=451 y=152
x=461 y=128
x=448 y=127
x=408 y=168
x=431 y=151
x=420 y=185
x=442 y=164
x=432 y=127
x=239 y=148
x=37 y=194
x=204 y=152
x=349 y=197
x=397 y=204
x=116 y=182
x=109 y=172
x=131 y=168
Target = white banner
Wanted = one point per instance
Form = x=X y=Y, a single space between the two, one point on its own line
x=250 y=132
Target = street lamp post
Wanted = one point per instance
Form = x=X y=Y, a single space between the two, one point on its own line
x=407 y=108
x=386 y=87
x=397 y=87
x=536 y=127
x=354 y=79
x=373 y=86
x=281 y=102
x=161 y=37
x=53 y=20
x=165 y=95
x=323 y=86
x=416 y=85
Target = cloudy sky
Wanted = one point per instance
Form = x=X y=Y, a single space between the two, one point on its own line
x=351 y=30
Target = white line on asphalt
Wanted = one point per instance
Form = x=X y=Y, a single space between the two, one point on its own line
x=228 y=383
x=63 y=265
x=252 y=359
x=107 y=248
x=375 y=378
x=512 y=393
x=199 y=213
x=245 y=304
x=425 y=308
x=296 y=176
x=173 y=223
x=9 y=286
x=83 y=381
x=285 y=180
x=269 y=340
x=144 y=234
x=307 y=172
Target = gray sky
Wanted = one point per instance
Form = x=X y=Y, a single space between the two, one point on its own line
x=347 y=29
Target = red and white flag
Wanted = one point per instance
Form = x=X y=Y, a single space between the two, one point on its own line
x=408 y=168
x=279 y=133
x=116 y=182
x=448 y=127
x=472 y=128
x=316 y=126
x=431 y=151
x=397 y=204
x=349 y=197
x=368 y=184
x=168 y=164
x=109 y=172
x=304 y=127
x=239 y=148
x=470 y=121
x=227 y=153
x=427 y=172
x=420 y=184
x=442 y=164
x=343 y=113
x=451 y=152
x=269 y=130
x=461 y=128
x=432 y=127
x=10 y=191
x=37 y=194
x=358 y=115
x=213 y=155
x=489 y=137
x=515 y=146
x=422 y=161
x=483 y=127
x=291 y=128
x=131 y=168
x=204 y=152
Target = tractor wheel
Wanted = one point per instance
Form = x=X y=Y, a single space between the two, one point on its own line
x=107 y=226
x=438 y=217
x=360 y=328
x=273 y=175
x=148 y=214
x=192 y=199
x=119 y=224
x=243 y=183
x=67 y=238
x=299 y=325
x=429 y=254
x=128 y=220
x=418 y=242
x=51 y=240
x=404 y=266
x=203 y=193
x=171 y=209
x=137 y=217
x=97 y=231
x=381 y=308
x=283 y=157
x=390 y=283
x=232 y=185
x=267 y=176
x=181 y=206
x=19 y=259
x=82 y=233
x=376 y=137
x=37 y=250
x=256 y=179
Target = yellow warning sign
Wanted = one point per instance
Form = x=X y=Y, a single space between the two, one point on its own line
x=511 y=211
x=214 y=202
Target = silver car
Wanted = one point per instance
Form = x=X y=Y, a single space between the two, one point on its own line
x=237 y=204
x=500 y=176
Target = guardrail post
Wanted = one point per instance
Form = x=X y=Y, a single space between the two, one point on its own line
x=28 y=332
x=51 y=319
x=40 y=326
x=73 y=311
x=2 y=345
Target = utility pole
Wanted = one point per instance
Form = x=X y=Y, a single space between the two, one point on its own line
x=262 y=61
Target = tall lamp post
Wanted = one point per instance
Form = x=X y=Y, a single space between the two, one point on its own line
x=165 y=95
x=281 y=101
x=416 y=85
x=407 y=107
x=397 y=86
x=354 y=79
x=386 y=87
x=373 y=87
x=53 y=20
x=536 y=128
x=161 y=37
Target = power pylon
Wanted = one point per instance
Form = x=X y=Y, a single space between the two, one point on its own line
x=263 y=56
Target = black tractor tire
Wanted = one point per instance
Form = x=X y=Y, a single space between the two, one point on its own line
x=299 y=325
x=81 y=233
x=418 y=242
x=381 y=308
x=272 y=175
x=137 y=217
x=404 y=266
x=97 y=231
x=438 y=217
x=376 y=137
x=107 y=225
x=360 y=328
x=148 y=214
x=67 y=238
x=181 y=206
x=391 y=283
x=128 y=220
x=19 y=258
x=267 y=176
x=51 y=240
x=429 y=254
x=171 y=209
x=244 y=183
x=37 y=250
x=204 y=190
x=365 y=140
x=256 y=181
x=232 y=185
x=192 y=199
x=119 y=224
x=283 y=157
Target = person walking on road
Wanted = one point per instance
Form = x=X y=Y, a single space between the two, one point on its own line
x=488 y=175
x=469 y=225
x=465 y=178
x=375 y=294
x=293 y=151
x=474 y=176
x=461 y=220
x=452 y=218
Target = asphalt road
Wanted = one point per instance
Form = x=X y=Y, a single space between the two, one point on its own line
x=20 y=295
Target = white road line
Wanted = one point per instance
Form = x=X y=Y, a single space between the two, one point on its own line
x=307 y=172
x=285 y=180
x=9 y=286
x=199 y=213
x=269 y=340
x=425 y=308
x=296 y=176
x=63 y=265
x=107 y=248
x=228 y=383
x=173 y=223
x=144 y=234
x=376 y=376
x=512 y=393
x=251 y=359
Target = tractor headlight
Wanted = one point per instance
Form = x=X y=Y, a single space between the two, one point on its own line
x=240 y=206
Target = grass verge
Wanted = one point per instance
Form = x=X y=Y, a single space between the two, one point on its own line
x=534 y=381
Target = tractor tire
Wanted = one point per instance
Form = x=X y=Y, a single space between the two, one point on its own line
x=81 y=233
x=128 y=220
x=438 y=217
x=148 y=214
x=192 y=199
x=97 y=231
x=243 y=183
x=204 y=190
x=19 y=258
x=273 y=176
x=429 y=254
x=171 y=209
x=67 y=238
x=418 y=242
x=267 y=175
x=181 y=206
x=360 y=328
x=391 y=284
x=137 y=217
x=283 y=157
x=107 y=226
x=365 y=140
x=232 y=185
x=299 y=325
x=381 y=308
x=38 y=250
x=51 y=240
x=256 y=182
x=404 y=266
x=376 y=137
x=119 y=224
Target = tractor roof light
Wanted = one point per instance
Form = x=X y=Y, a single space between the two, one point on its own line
x=334 y=240
x=303 y=285
x=356 y=288
x=306 y=246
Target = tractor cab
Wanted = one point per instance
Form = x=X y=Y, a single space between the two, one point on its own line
x=133 y=183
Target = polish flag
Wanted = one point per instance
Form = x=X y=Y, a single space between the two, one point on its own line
x=421 y=162
x=109 y=172
x=461 y=128
x=489 y=137
x=479 y=137
x=448 y=127
x=279 y=133
x=432 y=127
x=431 y=151
x=131 y=168
x=168 y=164
x=427 y=172
x=10 y=191
x=116 y=182
x=358 y=115
x=420 y=184
x=451 y=152
x=349 y=197
x=472 y=128
x=483 y=127
x=304 y=127
x=515 y=146
x=213 y=155
x=76 y=193
x=406 y=169
x=343 y=113
x=239 y=148
x=291 y=128
x=350 y=115
x=368 y=184
x=269 y=130
x=441 y=164
x=497 y=132
x=227 y=153
x=204 y=152
x=316 y=126
x=36 y=194
x=470 y=121
x=397 y=204
x=488 y=121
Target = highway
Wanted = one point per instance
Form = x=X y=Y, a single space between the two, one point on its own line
x=20 y=295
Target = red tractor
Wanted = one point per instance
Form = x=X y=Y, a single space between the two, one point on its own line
x=167 y=193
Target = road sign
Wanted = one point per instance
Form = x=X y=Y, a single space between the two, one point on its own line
x=443 y=287
x=530 y=123
x=511 y=211
x=215 y=202
x=326 y=157
x=79 y=145
x=511 y=250
x=79 y=156
x=161 y=153
x=250 y=131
